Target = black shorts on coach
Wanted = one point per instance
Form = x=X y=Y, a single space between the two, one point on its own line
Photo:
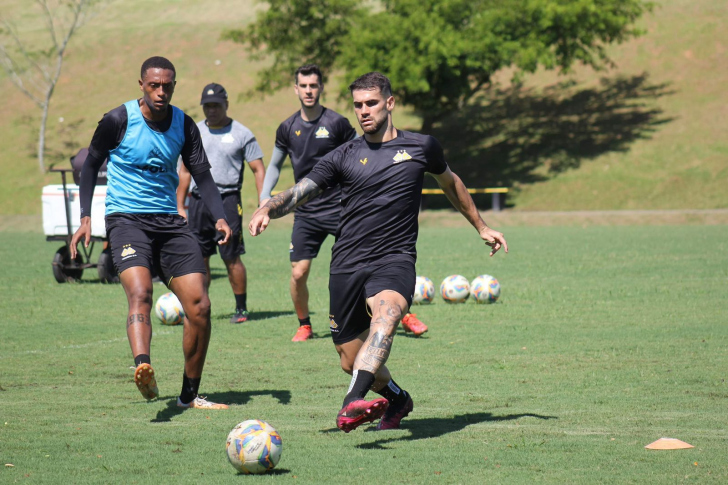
x=349 y=314
x=203 y=223
x=309 y=234
x=163 y=243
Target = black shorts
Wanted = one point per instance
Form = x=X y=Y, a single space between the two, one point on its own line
x=203 y=223
x=161 y=242
x=309 y=234
x=349 y=315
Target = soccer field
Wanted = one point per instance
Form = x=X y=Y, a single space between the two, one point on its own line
x=604 y=340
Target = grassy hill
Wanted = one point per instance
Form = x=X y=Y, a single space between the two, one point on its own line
x=647 y=134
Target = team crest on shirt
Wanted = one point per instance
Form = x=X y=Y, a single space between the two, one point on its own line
x=227 y=138
x=363 y=161
x=322 y=132
x=128 y=252
x=401 y=156
x=333 y=326
x=298 y=132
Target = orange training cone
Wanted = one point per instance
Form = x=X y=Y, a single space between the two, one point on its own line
x=668 y=444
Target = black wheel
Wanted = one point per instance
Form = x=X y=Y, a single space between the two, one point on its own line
x=106 y=269
x=61 y=271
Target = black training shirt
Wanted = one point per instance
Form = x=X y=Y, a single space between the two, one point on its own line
x=306 y=142
x=381 y=189
x=112 y=128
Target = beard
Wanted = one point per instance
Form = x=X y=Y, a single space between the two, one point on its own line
x=375 y=127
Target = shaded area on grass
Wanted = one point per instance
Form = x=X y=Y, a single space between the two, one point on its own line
x=230 y=397
x=521 y=136
x=436 y=427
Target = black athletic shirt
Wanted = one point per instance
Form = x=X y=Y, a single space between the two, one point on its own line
x=381 y=188
x=112 y=128
x=306 y=142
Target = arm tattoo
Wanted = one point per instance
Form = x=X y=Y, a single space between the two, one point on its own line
x=137 y=317
x=286 y=201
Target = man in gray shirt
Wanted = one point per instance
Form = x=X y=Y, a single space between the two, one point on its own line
x=228 y=145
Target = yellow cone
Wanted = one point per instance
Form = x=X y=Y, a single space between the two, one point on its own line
x=668 y=444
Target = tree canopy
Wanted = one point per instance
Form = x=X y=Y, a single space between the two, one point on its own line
x=437 y=53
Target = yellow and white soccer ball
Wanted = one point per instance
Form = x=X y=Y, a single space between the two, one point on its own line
x=455 y=289
x=424 y=290
x=169 y=310
x=254 y=447
x=485 y=289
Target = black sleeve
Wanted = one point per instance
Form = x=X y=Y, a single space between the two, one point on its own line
x=347 y=131
x=326 y=173
x=109 y=133
x=193 y=153
x=435 y=156
x=89 y=175
x=209 y=193
x=282 y=137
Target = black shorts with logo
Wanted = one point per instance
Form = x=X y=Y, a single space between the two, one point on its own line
x=349 y=314
x=309 y=234
x=161 y=242
x=203 y=223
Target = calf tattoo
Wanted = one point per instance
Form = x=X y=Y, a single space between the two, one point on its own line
x=286 y=201
x=137 y=317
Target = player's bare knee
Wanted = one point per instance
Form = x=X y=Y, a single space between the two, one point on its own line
x=299 y=276
x=139 y=295
x=199 y=312
x=347 y=366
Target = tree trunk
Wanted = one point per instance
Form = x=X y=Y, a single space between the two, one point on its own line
x=428 y=122
x=41 y=136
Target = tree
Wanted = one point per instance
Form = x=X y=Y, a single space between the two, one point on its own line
x=35 y=70
x=438 y=53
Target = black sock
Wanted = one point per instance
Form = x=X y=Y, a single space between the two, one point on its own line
x=361 y=381
x=304 y=321
x=241 y=302
x=142 y=359
x=392 y=392
x=189 y=389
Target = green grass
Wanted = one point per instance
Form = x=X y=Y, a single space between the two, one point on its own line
x=658 y=144
x=604 y=340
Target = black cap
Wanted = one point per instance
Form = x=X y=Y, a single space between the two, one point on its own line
x=214 y=93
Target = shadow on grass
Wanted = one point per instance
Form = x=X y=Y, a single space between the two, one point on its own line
x=435 y=427
x=514 y=136
x=230 y=397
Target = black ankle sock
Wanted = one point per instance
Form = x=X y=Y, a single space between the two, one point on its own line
x=359 y=387
x=392 y=392
x=189 y=389
x=304 y=321
x=241 y=302
x=142 y=359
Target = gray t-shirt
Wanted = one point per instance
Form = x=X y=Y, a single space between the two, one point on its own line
x=227 y=148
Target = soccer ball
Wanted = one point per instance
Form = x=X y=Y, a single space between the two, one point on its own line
x=424 y=290
x=169 y=310
x=254 y=446
x=485 y=289
x=455 y=289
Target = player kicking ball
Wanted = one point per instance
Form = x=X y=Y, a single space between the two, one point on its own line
x=373 y=260
x=143 y=139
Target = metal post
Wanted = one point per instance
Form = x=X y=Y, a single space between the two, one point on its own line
x=68 y=208
x=496 y=202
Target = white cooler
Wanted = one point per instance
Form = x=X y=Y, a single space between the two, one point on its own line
x=54 y=210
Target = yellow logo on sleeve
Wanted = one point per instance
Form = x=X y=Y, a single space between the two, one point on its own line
x=401 y=156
